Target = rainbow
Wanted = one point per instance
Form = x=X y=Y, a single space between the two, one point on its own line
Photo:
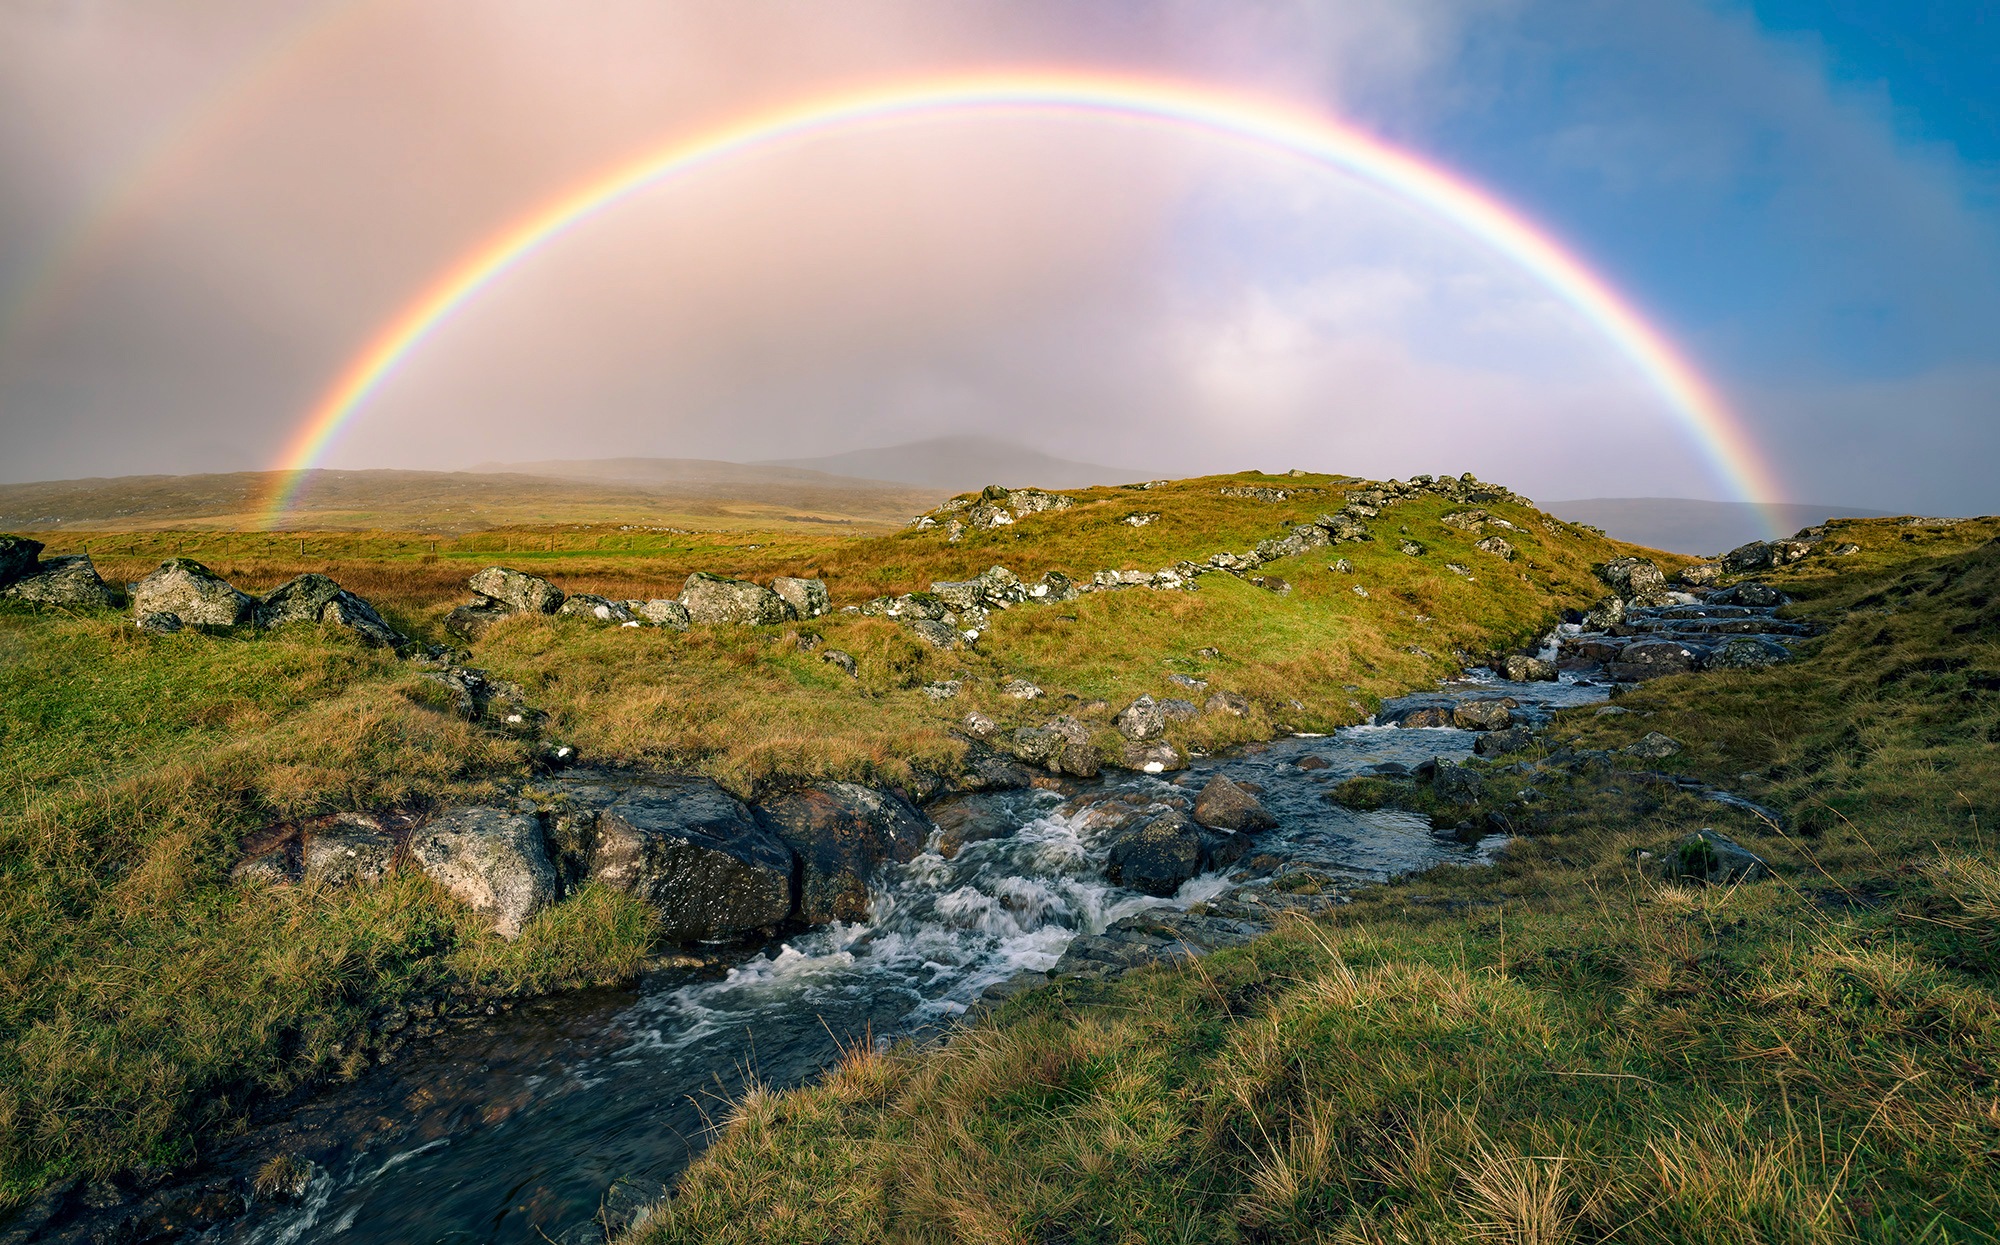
x=1270 y=124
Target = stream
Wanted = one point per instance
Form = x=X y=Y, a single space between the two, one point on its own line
x=553 y=1120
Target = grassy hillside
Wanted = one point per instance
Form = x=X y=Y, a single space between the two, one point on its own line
x=144 y=1000
x=1564 y=1046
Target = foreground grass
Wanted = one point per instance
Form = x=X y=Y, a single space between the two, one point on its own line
x=1562 y=1047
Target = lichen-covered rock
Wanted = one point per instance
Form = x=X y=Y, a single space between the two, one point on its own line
x=594 y=608
x=843 y=660
x=1650 y=659
x=1156 y=858
x=1000 y=587
x=493 y=861
x=1234 y=704
x=1496 y=546
x=1748 y=652
x=17 y=558
x=665 y=612
x=1653 y=746
x=517 y=590
x=469 y=622
x=1142 y=719
x=191 y=592
x=697 y=854
x=1483 y=715
x=1521 y=668
x=69 y=581
x=842 y=834
x=959 y=594
x=160 y=624
x=1751 y=593
x=1503 y=742
x=314 y=598
x=1456 y=784
x=934 y=632
x=1633 y=579
x=1699 y=574
x=1152 y=757
x=351 y=852
x=1222 y=805
x=807 y=597
x=713 y=599
x=1062 y=746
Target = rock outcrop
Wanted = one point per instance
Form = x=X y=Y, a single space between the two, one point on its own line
x=313 y=598
x=842 y=834
x=492 y=861
x=713 y=599
x=69 y=581
x=192 y=593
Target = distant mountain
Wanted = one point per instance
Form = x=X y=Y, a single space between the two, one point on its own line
x=961 y=463
x=682 y=472
x=1684 y=525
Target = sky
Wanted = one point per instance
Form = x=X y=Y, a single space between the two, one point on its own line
x=208 y=208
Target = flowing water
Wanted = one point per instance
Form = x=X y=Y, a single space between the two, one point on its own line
x=548 y=1122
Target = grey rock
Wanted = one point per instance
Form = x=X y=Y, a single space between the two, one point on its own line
x=316 y=599
x=843 y=660
x=1706 y=856
x=69 y=581
x=1142 y=719
x=1751 y=593
x=1748 y=652
x=1020 y=689
x=697 y=854
x=1223 y=805
x=517 y=590
x=470 y=622
x=1699 y=574
x=1000 y=587
x=1234 y=704
x=1157 y=857
x=959 y=594
x=1054 y=587
x=351 y=852
x=196 y=595
x=981 y=726
x=807 y=597
x=944 y=689
x=1653 y=746
x=1483 y=715
x=1154 y=757
x=17 y=558
x=1178 y=710
x=1520 y=668
x=713 y=599
x=493 y=861
x=1061 y=746
x=1633 y=578
x=1503 y=742
x=1651 y=658
x=593 y=608
x=160 y=624
x=1495 y=546
x=666 y=612
x=1604 y=615
x=842 y=834
x=1412 y=548
x=934 y=632
x=1456 y=784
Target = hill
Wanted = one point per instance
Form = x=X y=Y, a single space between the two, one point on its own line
x=958 y=463
x=1702 y=528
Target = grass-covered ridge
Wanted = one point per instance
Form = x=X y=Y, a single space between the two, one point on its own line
x=145 y=1000
x=1562 y=1047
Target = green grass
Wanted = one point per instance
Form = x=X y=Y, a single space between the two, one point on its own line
x=1560 y=1047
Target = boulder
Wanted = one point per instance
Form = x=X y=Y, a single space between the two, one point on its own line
x=963 y=822
x=1706 y=856
x=1483 y=715
x=351 y=852
x=697 y=854
x=1054 y=587
x=1495 y=546
x=1604 y=615
x=981 y=726
x=666 y=612
x=1761 y=555
x=596 y=609
x=1155 y=757
x=469 y=622
x=999 y=586
x=842 y=834
x=1455 y=784
x=17 y=558
x=1502 y=742
x=191 y=592
x=1175 y=709
x=1653 y=746
x=1142 y=719
x=1751 y=593
x=1633 y=579
x=493 y=861
x=69 y=581
x=1748 y=652
x=1157 y=857
x=1061 y=746
x=1520 y=668
x=1649 y=659
x=519 y=591
x=1223 y=805
x=844 y=660
x=807 y=597
x=313 y=598
x=934 y=632
x=714 y=599
x=1234 y=704
x=959 y=594
x=1699 y=574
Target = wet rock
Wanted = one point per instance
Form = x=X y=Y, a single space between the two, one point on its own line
x=842 y=834
x=313 y=598
x=594 y=608
x=1416 y=711
x=492 y=861
x=697 y=854
x=1649 y=659
x=715 y=600
x=666 y=612
x=985 y=771
x=1062 y=746
x=1520 y=668
x=1699 y=574
x=845 y=661
x=807 y=597
x=1503 y=742
x=1716 y=859
x=1142 y=719
x=1604 y=615
x=1456 y=784
x=1234 y=704
x=1750 y=593
x=1154 y=757
x=1633 y=579
x=1225 y=805
x=1157 y=857
x=351 y=852
x=1653 y=746
x=191 y=592
x=932 y=631
x=18 y=557
x=518 y=591
x=469 y=622
x=1748 y=652
x=1483 y=715
x=962 y=822
x=69 y=582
